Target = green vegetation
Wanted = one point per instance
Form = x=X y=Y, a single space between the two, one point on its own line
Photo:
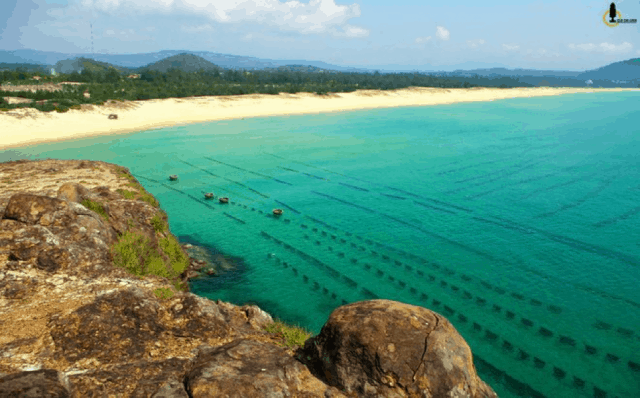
x=163 y=293
x=134 y=252
x=291 y=336
x=187 y=76
x=95 y=206
x=158 y=224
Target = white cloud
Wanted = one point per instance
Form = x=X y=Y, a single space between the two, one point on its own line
x=197 y=29
x=316 y=16
x=423 y=39
x=475 y=43
x=509 y=47
x=442 y=33
x=603 y=47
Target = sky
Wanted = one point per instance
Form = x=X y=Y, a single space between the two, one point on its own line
x=385 y=34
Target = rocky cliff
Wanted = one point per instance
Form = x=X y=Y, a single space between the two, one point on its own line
x=94 y=302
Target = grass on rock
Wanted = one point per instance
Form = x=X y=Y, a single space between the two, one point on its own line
x=291 y=336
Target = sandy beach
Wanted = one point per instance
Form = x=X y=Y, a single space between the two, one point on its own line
x=29 y=126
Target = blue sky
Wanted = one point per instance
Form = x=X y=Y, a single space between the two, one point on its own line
x=442 y=35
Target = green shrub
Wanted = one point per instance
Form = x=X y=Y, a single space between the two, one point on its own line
x=95 y=206
x=134 y=253
x=158 y=223
x=126 y=193
x=171 y=247
x=62 y=109
x=146 y=197
x=291 y=336
x=163 y=293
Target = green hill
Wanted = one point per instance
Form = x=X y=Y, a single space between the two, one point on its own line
x=184 y=62
x=623 y=70
x=80 y=64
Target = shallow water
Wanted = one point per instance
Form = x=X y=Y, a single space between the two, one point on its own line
x=517 y=219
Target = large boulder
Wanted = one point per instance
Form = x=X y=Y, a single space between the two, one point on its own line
x=383 y=348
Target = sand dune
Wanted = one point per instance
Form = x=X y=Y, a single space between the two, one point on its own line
x=29 y=126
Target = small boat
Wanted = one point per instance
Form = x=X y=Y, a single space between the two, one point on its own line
x=277 y=212
x=208 y=195
x=224 y=200
x=173 y=177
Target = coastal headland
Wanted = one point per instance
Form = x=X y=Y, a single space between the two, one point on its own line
x=94 y=301
x=29 y=126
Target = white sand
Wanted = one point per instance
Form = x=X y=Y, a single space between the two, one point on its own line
x=29 y=126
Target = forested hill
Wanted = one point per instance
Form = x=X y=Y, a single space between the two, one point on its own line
x=80 y=64
x=184 y=62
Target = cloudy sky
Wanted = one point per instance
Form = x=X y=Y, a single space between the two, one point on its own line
x=386 y=34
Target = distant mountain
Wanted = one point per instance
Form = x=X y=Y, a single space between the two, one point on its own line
x=185 y=62
x=26 y=66
x=624 y=73
x=80 y=64
x=514 y=72
x=297 y=68
x=620 y=71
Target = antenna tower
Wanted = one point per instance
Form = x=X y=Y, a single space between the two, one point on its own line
x=91 y=25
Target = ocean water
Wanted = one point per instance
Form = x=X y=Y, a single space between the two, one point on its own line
x=518 y=220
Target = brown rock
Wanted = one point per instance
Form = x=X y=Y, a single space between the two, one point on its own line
x=246 y=368
x=383 y=348
x=40 y=383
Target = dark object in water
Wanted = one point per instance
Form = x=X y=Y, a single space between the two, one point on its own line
x=522 y=355
x=490 y=335
x=277 y=212
x=173 y=177
x=578 y=382
x=538 y=363
x=559 y=373
x=208 y=195
x=567 y=340
x=545 y=332
x=590 y=349
x=612 y=358
x=113 y=116
x=510 y=315
x=526 y=322
x=507 y=346
x=224 y=200
x=554 y=309
x=602 y=325
x=634 y=366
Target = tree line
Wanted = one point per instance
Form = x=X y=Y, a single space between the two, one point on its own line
x=111 y=84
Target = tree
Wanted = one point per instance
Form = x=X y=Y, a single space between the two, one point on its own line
x=112 y=76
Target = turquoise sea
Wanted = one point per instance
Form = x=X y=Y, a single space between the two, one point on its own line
x=518 y=220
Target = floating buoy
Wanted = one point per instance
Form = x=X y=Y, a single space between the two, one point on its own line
x=208 y=195
x=173 y=177
x=224 y=200
x=277 y=212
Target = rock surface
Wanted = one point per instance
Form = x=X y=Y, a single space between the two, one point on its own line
x=382 y=348
x=76 y=322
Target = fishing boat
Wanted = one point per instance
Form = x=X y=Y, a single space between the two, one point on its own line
x=208 y=195
x=277 y=212
x=224 y=200
x=173 y=177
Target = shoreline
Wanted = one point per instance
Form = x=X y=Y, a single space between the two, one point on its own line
x=28 y=126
